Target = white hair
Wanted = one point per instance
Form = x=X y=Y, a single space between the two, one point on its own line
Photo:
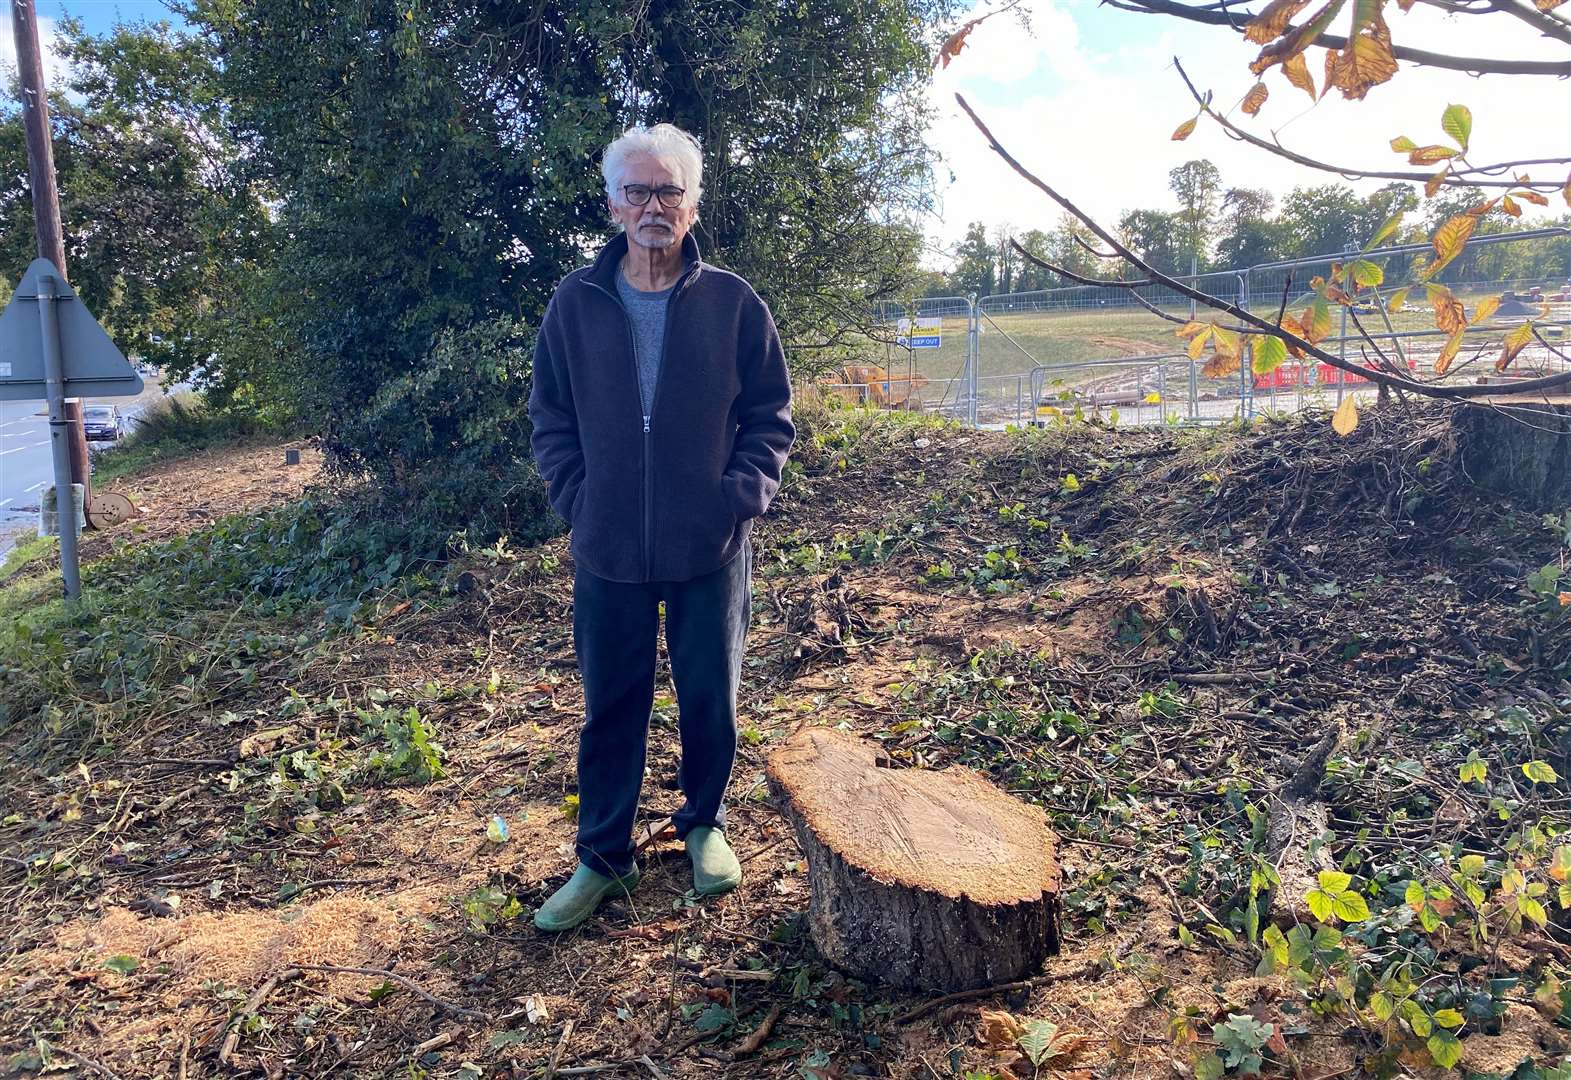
x=669 y=143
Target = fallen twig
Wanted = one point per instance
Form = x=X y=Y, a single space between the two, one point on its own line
x=408 y=984
x=760 y=1034
x=232 y=1026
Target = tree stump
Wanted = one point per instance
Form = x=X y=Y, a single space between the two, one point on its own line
x=919 y=879
x=1518 y=446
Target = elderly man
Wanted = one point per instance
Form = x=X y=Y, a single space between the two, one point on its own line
x=661 y=407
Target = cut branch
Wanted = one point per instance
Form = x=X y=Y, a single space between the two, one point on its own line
x=1258 y=324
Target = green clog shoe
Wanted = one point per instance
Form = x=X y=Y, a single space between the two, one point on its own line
x=715 y=866
x=577 y=900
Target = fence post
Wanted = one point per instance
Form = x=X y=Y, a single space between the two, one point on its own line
x=973 y=359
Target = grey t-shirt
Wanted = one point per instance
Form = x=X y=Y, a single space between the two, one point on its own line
x=647 y=311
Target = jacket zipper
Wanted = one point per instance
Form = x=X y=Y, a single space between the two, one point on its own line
x=649 y=457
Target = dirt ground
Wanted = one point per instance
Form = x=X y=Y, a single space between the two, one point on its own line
x=1143 y=632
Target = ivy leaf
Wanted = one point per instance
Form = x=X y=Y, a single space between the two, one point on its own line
x=1457 y=122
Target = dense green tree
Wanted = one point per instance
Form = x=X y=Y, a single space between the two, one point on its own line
x=437 y=162
x=162 y=237
x=975 y=269
x=1154 y=236
x=1198 y=186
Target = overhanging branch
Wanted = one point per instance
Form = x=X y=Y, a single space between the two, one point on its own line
x=1236 y=21
x=1255 y=322
x=1465 y=178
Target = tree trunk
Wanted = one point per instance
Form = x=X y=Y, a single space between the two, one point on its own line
x=1518 y=446
x=919 y=879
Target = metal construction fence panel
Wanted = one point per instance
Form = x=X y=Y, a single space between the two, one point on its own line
x=1095 y=351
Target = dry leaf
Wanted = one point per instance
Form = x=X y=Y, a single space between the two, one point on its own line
x=1448 y=354
x=999 y=1029
x=1486 y=307
x=1184 y=130
x=1345 y=419
x=1255 y=98
x=1272 y=21
x=1296 y=69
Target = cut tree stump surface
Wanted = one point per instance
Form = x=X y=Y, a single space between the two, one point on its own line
x=921 y=878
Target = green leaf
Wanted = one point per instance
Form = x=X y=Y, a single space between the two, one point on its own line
x=1269 y=353
x=1391 y=223
x=1473 y=770
x=1402 y=144
x=1416 y=1018
x=1414 y=896
x=1383 y=1005
x=1350 y=907
x=1445 y=1048
x=1320 y=904
x=1037 y=1040
x=496 y=830
x=1540 y=772
x=1457 y=122
x=570 y=807
x=1448 y=1018
x=1334 y=881
x=1209 y=1067
x=125 y=965
x=1365 y=273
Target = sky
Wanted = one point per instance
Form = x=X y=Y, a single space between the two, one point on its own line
x=1087 y=97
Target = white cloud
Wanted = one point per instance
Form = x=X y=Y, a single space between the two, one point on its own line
x=55 y=69
x=1097 y=124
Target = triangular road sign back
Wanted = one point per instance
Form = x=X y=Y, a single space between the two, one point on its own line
x=93 y=366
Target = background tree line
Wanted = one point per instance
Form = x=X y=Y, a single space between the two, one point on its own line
x=1230 y=228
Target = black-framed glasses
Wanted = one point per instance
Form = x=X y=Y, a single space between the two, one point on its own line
x=638 y=195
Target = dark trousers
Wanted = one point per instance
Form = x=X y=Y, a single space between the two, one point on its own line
x=615 y=628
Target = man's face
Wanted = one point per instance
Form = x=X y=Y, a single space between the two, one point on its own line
x=651 y=225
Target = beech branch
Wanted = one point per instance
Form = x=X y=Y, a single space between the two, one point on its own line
x=1455 y=178
x=1255 y=324
x=1472 y=64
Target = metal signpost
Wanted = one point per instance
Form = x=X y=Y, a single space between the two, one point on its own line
x=51 y=347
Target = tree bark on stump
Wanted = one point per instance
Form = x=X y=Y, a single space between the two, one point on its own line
x=1519 y=446
x=919 y=879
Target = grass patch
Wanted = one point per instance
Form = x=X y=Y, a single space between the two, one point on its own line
x=25 y=554
x=172 y=428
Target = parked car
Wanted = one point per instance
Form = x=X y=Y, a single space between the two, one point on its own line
x=102 y=422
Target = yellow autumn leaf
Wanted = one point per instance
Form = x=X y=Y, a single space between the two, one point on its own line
x=1296 y=70
x=1272 y=20
x=1508 y=204
x=1449 y=314
x=1255 y=98
x=1345 y=419
x=1184 y=130
x=1365 y=62
x=1448 y=354
x=1451 y=238
x=1534 y=197
x=1430 y=155
x=1432 y=185
x=1514 y=343
x=1486 y=307
x=1398 y=299
x=1197 y=344
x=1190 y=329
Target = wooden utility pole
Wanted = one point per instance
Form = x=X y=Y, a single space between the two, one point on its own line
x=46 y=208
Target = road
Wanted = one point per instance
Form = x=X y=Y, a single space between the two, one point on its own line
x=26 y=466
